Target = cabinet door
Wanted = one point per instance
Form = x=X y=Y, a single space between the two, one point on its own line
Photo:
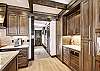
x=66 y=55
x=97 y=13
x=23 y=25
x=73 y=24
x=86 y=36
x=64 y=26
x=58 y=47
x=12 y=22
x=77 y=24
x=69 y=25
x=97 y=66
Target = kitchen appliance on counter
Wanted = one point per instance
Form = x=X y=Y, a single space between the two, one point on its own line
x=18 y=42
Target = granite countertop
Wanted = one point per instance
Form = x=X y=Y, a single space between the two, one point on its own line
x=75 y=47
x=6 y=58
x=12 y=46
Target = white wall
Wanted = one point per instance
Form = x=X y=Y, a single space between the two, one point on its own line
x=53 y=38
x=20 y=3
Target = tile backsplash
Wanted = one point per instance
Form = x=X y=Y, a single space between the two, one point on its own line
x=71 y=40
x=7 y=40
x=66 y=40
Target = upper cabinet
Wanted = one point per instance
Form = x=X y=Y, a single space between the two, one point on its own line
x=17 y=22
x=77 y=23
x=12 y=23
x=97 y=15
x=23 y=24
x=71 y=25
x=64 y=29
x=3 y=15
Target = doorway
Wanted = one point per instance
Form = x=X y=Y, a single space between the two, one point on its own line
x=38 y=38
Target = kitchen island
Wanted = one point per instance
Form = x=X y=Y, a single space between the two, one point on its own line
x=22 y=56
x=8 y=61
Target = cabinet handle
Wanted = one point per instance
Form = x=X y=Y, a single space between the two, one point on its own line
x=89 y=47
x=89 y=41
x=93 y=48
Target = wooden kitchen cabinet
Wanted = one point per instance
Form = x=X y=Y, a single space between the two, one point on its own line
x=66 y=55
x=23 y=25
x=12 y=66
x=74 y=59
x=73 y=24
x=97 y=65
x=71 y=58
x=77 y=22
x=97 y=13
x=17 y=22
x=64 y=29
x=58 y=38
x=12 y=23
x=3 y=15
x=22 y=56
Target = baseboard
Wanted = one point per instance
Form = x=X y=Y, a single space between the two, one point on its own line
x=44 y=46
x=53 y=56
x=30 y=59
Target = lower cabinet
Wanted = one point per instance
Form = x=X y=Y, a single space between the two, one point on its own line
x=66 y=55
x=97 y=63
x=22 y=56
x=74 y=60
x=71 y=58
x=12 y=66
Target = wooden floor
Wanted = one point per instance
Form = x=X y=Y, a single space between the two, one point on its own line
x=46 y=64
x=40 y=52
x=43 y=62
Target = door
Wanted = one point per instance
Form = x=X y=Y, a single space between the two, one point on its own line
x=38 y=38
x=48 y=39
x=32 y=37
x=86 y=38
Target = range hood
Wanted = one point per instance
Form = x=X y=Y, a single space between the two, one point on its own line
x=2 y=15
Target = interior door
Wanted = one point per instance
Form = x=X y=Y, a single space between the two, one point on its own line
x=86 y=38
x=38 y=38
x=48 y=39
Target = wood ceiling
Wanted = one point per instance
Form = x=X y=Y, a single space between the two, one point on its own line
x=45 y=3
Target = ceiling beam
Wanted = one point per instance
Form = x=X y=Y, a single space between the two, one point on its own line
x=43 y=16
x=50 y=4
x=31 y=5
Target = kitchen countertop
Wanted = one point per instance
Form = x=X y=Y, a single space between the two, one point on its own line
x=6 y=58
x=12 y=46
x=75 y=47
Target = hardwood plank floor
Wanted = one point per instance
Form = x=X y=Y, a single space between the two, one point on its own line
x=40 y=52
x=46 y=64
